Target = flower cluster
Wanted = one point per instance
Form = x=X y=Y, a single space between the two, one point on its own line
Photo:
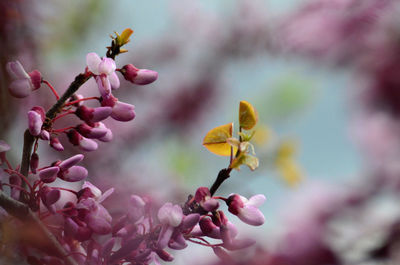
x=82 y=229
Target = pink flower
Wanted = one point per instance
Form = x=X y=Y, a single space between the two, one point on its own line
x=203 y=197
x=93 y=114
x=104 y=70
x=23 y=83
x=91 y=132
x=121 y=111
x=139 y=76
x=247 y=210
x=56 y=144
x=84 y=143
x=170 y=217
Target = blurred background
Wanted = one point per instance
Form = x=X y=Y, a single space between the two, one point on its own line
x=324 y=76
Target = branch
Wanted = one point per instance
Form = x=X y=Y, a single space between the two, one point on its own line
x=23 y=213
x=223 y=175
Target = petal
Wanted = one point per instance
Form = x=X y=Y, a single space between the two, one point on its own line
x=52 y=196
x=145 y=77
x=251 y=215
x=104 y=85
x=72 y=161
x=256 y=200
x=190 y=221
x=93 y=61
x=165 y=236
x=106 y=194
x=107 y=66
x=100 y=113
x=178 y=242
x=75 y=173
x=95 y=191
x=16 y=70
x=87 y=144
x=114 y=80
x=49 y=174
x=20 y=88
x=34 y=123
x=123 y=111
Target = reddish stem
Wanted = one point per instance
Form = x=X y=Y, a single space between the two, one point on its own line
x=8 y=163
x=21 y=176
x=79 y=100
x=63 y=129
x=52 y=88
x=63 y=115
x=72 y=191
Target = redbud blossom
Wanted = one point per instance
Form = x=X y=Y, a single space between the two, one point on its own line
x=23 y=83
x=139 y=76
x=93 y=114
x=34 y=163
x=84 y=143
x=108 y=136
x=104 y=70
x=56 y=144
x=91 y=132
x=121 y=111
x=35 y=123
x=49 y=174
x=247 y=210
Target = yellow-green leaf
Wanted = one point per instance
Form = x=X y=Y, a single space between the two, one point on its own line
x=216 y=140
x=124 y=37
x=247 y=115
x=245 y=159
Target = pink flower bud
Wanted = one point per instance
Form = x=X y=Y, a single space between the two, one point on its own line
x=67 y=163
x=87 y=144
x=91 y=132
x=73 y=174
x=84 y=143
x=108 y=136
x=34 y=163
x=22 y=83
x=247 y=210
x=209 y=228
x=49 y=196
x=93 y=114
x=44 y=135
x=123 y=111
x=108 y=101
x=170 y=214
x=56 y=144
x=138 y=76
x=34 y=123
x=49 y=174
x=190 y=220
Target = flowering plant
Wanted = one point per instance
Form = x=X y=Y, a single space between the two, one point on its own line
x=83 y=231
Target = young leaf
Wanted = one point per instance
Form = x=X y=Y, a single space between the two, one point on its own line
x=247 y=115
x=216 y=140
x=245 y=159
x=124 y=37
